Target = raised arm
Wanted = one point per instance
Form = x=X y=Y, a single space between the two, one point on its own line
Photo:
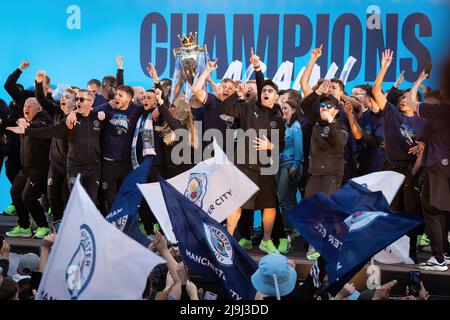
x=259 y=76
x=119 y=74
x=173 y=123
x=411 y=96
x=356 y=130
x=178 y=84
x=11 y=83
x=160 y=244
x=154 y=75
x=304 y=80
x=400 y=79
x=197 y=87
x=310 y=105
x=47 y=243
x=213 y=85
x=386 y=59
x=57 y=130
x=51 y=107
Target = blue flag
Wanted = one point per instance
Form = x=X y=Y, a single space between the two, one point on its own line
x=348 y=228
x=126 y=205
x=206 y=246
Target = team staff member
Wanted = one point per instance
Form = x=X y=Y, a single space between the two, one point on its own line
x=19 y=95
x=30 y=183
x=83 y=136
x=57 y=189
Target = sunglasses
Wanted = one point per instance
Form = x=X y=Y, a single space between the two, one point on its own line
x=268 y=90
x=81 y=99
x=327 y=105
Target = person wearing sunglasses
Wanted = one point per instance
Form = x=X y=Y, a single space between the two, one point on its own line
x=82 y=128
x=329 y=136
x=328 y=140
x=263 y=118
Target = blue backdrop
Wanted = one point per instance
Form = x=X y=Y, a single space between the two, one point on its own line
x=75 y=42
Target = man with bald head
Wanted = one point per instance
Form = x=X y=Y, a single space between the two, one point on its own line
x=31 y=181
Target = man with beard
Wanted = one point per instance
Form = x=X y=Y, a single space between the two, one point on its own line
x=116 y=139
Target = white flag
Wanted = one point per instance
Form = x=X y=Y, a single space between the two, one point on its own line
x=215 y=185
x=388 y=182
x=397 y=252
x=91 y=259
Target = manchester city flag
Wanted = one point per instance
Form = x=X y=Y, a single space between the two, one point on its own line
x=91 y=259
x=129 y=197
x=206 y=246
x=348 y=228
x=124 y=211
x=216 y=185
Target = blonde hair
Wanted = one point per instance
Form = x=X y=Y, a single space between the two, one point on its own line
x=71 y=91
x=182 y=113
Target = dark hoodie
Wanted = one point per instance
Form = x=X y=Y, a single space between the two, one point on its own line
x=34 y=151
x=59 y=146
x=328 y=141
x=254 y=116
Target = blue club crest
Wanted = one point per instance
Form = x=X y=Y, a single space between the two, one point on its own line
x=81 y=267
x=220 y=244
x=362 y=219
x=196 y=188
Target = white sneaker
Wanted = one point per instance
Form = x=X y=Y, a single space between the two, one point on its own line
x=447 y=258
x=433 y=265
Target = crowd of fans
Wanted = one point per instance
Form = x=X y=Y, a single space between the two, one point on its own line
x=325 y=135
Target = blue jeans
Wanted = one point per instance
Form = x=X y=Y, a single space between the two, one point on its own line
x=287 y=192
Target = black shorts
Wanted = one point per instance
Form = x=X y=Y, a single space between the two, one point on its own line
x=266 y=197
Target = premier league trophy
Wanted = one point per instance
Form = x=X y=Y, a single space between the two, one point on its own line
x=191 y=60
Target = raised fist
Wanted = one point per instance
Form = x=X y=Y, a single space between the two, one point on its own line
x=25 y=64
x=119 y=60
x=40 y=76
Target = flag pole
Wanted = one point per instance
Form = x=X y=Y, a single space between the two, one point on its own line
x=277 y=290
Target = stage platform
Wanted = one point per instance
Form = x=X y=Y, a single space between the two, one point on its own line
x=437 y=283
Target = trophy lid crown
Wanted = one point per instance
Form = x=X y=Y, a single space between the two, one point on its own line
x=188 y=42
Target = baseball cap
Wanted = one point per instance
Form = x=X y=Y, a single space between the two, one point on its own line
x=27 y=263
